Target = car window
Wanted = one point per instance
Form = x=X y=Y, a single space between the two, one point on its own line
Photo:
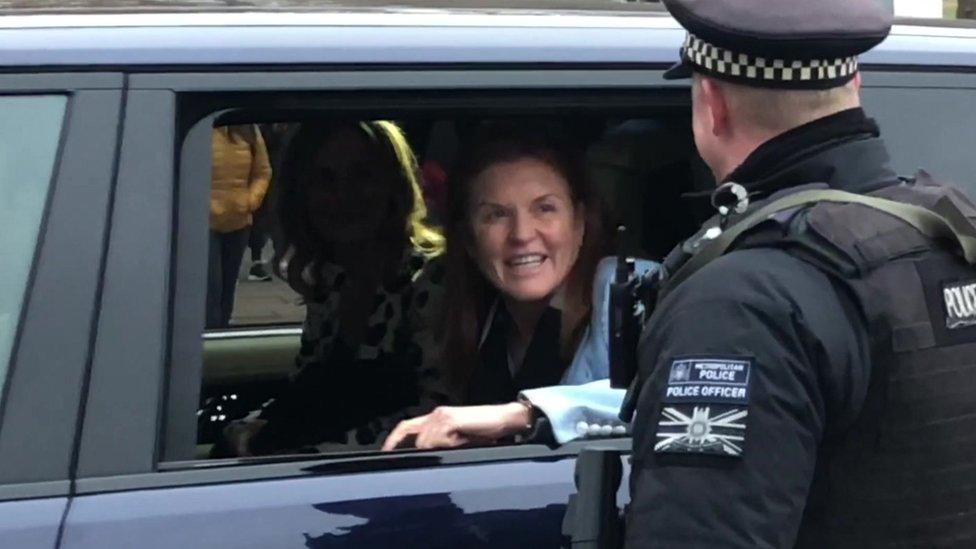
x=266 y=389
x=30 y=127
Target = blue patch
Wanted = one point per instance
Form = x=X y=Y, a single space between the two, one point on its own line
x=708 y=380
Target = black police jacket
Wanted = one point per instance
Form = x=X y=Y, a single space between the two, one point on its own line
x=784 y=402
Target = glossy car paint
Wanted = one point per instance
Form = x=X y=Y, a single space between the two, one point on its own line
x=518 y=504
x=31 y=523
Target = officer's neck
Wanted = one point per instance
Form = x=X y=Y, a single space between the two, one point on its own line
x=746 y=137
x=754 y=160
x=735 y=154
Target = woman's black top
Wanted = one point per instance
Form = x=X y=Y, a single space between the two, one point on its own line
x=492 y=381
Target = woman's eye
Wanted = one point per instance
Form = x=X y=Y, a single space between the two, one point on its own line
x=548 y=207
x=495 y=215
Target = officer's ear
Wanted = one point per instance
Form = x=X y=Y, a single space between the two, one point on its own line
x=715 y=100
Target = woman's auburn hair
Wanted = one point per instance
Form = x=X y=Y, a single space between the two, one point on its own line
x=468 y=293
x=407 y=222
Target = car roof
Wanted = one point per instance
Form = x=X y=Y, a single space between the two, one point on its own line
x=149 y=6
x=145 y=36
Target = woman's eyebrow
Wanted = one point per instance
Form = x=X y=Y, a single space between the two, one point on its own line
x=545 y=196
x=489 y=204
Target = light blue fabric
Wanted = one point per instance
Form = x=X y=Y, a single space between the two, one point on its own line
x=583 y=404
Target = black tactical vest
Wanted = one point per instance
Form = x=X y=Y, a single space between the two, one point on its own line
x=904 y=474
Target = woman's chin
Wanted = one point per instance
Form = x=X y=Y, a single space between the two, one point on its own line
x=529 y=292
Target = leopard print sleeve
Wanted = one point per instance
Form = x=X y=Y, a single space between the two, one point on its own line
x=419 y=350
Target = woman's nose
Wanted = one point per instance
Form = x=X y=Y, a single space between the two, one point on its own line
x=523 y=229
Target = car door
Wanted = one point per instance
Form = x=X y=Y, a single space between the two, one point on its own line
x=140 y=476
x=57 y=150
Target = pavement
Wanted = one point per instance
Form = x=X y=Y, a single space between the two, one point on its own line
x=265 y=303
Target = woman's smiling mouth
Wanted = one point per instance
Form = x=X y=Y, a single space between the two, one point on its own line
x=525 y=264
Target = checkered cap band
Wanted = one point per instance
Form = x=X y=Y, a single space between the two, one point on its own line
x=763 y=69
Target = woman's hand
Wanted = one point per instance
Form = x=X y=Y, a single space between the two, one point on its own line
x=453 y=426
x=238 y=434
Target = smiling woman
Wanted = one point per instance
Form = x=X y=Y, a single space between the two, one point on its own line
x=524 y=238
x=527 y=229
x=523 y=241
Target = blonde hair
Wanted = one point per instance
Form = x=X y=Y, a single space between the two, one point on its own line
x=424 y=238
x=303 y=248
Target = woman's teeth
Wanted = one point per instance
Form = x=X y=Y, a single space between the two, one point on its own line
x=527 y=260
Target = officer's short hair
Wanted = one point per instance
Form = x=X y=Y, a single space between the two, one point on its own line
x=778 y=110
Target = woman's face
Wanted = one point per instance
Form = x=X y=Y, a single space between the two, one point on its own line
x=527 y=229
x=348 y=194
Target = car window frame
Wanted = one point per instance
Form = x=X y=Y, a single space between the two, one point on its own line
x=131 y=344
x=46 y=382
x=201 y=99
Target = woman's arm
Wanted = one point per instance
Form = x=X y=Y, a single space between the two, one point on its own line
x=453 y=426
x=572 y=411
x=580 y=411
x=583 y=406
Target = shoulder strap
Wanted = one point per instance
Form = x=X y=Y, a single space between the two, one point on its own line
x=933 y=225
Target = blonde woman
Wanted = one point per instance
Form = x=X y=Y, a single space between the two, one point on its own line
x=358 y=250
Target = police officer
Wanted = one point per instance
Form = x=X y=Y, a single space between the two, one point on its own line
x=808 y=376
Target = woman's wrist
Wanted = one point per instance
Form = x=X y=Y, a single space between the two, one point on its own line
x=522 y=416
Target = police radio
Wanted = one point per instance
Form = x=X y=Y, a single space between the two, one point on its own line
x=632 y=299
x=592 y=519
x=624 y=324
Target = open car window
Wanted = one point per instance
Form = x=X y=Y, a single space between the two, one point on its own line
x=249 y=368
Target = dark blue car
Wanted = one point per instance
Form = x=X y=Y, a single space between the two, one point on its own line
x=110 y=383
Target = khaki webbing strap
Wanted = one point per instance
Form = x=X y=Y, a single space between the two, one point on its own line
x=954 y=227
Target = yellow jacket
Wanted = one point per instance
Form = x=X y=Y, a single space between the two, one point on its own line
x=239 y=177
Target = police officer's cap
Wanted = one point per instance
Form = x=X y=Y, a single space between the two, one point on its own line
x=798 y=44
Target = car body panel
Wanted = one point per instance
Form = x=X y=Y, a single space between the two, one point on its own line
x=458 y=506
x=31 y=524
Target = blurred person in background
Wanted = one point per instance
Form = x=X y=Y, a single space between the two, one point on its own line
x=240 y=175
